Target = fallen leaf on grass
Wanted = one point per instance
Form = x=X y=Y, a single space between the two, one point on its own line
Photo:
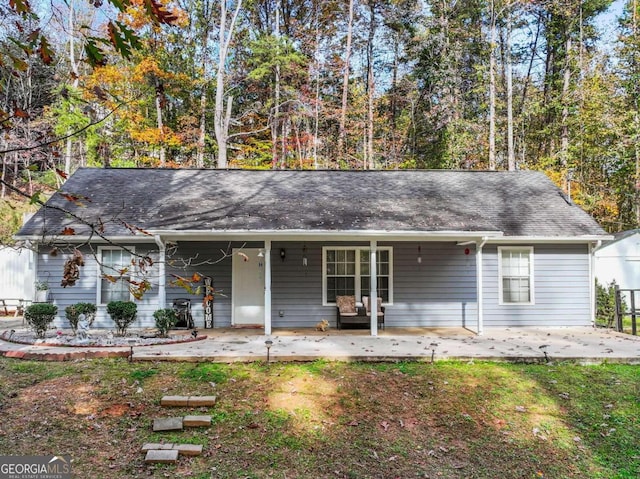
x=385 y=425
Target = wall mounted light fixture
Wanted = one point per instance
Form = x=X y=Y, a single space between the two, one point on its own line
x=304 y=255
x=283 y=254
x=419 y=254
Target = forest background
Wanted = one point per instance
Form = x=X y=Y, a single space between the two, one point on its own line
x=550 y=85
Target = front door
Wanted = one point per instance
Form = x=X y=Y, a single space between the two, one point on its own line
x=247 y=288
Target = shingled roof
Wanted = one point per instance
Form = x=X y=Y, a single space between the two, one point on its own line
x=522 y=203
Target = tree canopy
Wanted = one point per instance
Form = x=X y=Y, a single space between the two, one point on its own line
x=481 y=84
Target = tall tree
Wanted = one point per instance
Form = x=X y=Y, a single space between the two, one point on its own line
x=223 y=106
x=345 y=81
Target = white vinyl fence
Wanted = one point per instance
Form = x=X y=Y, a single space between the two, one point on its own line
x=17 y=274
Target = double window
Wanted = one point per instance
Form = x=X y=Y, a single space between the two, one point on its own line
x=115 y=270
x=516 y=275
x=346 y=272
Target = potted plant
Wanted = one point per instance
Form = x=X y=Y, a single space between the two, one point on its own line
x=42 y=292
x=123 y=313
x=39 y=316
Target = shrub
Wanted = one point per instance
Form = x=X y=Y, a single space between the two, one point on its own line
x=606 y=304
x=123 y=313
x=165 y=320
x=39 y=316
x=72 y=312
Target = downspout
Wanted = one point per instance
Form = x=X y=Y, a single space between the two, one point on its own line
x=479 y=284
x=36 y=256
x=162 y=277
x=592 y=280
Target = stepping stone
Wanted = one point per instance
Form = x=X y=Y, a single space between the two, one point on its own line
x=195 y=401
x=196 y=421
x=174 y=401
x=167 y=424
x=183 y=449
x=163 y=456
x=150 y=445
x=188 y=449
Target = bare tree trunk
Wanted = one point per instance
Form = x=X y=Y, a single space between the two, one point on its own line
x=14 y=180
x=202 y=134
x=492 y=90
x=222 y=115
x=564 y=137
x=511 y=156
x=280 y=161
x=345 y=84
x=159 y=94
x=3 y=192
x=203 y=130
x=370 y=85
x=316 y=109
x=76 y=81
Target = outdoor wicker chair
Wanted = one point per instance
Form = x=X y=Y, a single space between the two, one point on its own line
x=380 y=312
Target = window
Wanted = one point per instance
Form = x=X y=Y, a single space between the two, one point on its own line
x=112 y=262
x=346 y=272
x=516 y=275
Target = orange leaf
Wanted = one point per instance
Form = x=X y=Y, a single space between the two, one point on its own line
x=196 y=277
x=62 y=173
x=68 y=231
x=20 y=113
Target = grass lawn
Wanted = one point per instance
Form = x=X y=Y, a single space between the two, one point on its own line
x=331 y=420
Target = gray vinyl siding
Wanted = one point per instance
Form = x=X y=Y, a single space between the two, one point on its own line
x=206 y=258
x=296 y=290
x=561 y=289
x=439 y=292
x=50 y=269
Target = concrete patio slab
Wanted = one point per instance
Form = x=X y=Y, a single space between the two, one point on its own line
x=581 y=345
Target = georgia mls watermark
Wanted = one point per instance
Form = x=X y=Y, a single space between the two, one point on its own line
x=35 y=467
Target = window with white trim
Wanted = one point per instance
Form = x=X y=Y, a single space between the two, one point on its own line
x=346 y=272
x=115 y=271
x=516 y=274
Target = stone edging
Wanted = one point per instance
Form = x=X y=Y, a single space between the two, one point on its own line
x=4 y=337
x=41 y=356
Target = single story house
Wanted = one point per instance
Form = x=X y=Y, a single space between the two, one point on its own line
x=619 y=260
x=471 y=249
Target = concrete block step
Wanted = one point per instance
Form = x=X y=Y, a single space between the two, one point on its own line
x=183 y=449
x=196 y=421
x=174 y=401
x=188 y=401
x=161 y=456
x=168 y=424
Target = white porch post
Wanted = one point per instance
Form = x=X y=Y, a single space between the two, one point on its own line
x=373 y=288
x=479 y=285
x=267 y=287
x=592 y=281
x=162 y=277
